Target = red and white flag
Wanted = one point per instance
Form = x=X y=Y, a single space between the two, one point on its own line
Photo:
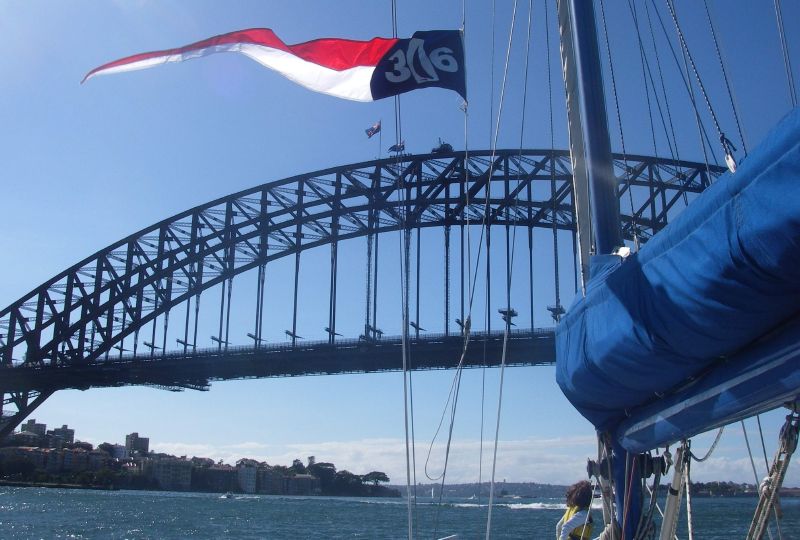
x=357 y=70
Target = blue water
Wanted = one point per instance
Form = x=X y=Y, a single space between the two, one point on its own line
x=54 y=513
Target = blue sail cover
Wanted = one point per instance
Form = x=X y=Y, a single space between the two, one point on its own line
x=721 y=276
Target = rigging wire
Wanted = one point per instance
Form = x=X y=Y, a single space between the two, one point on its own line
x=686 y=79
x=465 y=177
x=676 y=156
x=753 y=464
x=619 y=119
x=490 y=170
x=488 y=285
x=467 y=323
x=725 y=76
x=465 y=190
x=557 y=290
x=455 y=391
x=727 y=146
x=642 y=59
x=404 y=316
x=763 y=446
x=510 y=263
x=483 y=412
x=700 y=125
x=647 y=75
x=787 y=64
x=766 y=464
x=661 y=78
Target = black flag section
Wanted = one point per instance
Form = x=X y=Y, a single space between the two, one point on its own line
x=431 y=58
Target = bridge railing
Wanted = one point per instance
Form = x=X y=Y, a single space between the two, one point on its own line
x=341 y=343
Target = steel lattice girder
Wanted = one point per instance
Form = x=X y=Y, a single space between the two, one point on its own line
x=79 y=315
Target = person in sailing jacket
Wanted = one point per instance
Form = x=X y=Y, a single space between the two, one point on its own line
x=576 y=524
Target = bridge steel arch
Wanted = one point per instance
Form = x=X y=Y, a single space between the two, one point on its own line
x=79 y=316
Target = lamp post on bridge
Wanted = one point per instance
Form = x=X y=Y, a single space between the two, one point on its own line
x=331 y=334
x=374 y=333
x=417 y=328
x=220 y=342
x=508 y=314
x=294 y=336
x=186 y=345
x=556 y=312
x=256 y=340
x=151 y=347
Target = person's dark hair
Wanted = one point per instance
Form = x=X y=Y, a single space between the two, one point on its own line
x=580 y=494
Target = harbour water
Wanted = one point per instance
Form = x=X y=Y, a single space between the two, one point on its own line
x=86 y=514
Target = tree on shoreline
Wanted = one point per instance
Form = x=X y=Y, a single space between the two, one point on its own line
x=375 y=477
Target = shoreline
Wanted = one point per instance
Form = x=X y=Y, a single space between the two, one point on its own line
x=55 y=485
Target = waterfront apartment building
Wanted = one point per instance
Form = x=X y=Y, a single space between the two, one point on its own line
x=246 y=472
x=25 y=438
x=269 y=481
x=32 y=427
x=61 y=436
x=75 y=460
x=302 y=484
x=214 y=478
x=118 y=451
x=54 y=460
x=134 y=444
x=174 y=474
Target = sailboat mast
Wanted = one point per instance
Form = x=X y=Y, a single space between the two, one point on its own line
x=590 y=146
x=594 y=189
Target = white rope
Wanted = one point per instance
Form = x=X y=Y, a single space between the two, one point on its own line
x=613 y=510
x=589 y=510
x=753 y=464
x=710 y=450
x=766 y=464
x=689 y=500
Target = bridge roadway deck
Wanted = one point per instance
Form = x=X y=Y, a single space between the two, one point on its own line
x=196 y=370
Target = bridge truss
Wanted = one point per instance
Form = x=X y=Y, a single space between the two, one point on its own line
x=88 y=314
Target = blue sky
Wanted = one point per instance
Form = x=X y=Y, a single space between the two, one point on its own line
x=82 y=166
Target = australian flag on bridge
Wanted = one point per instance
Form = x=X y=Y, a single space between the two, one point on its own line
x=374 y=129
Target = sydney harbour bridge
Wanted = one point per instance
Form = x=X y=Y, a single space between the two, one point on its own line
x=105 y=321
